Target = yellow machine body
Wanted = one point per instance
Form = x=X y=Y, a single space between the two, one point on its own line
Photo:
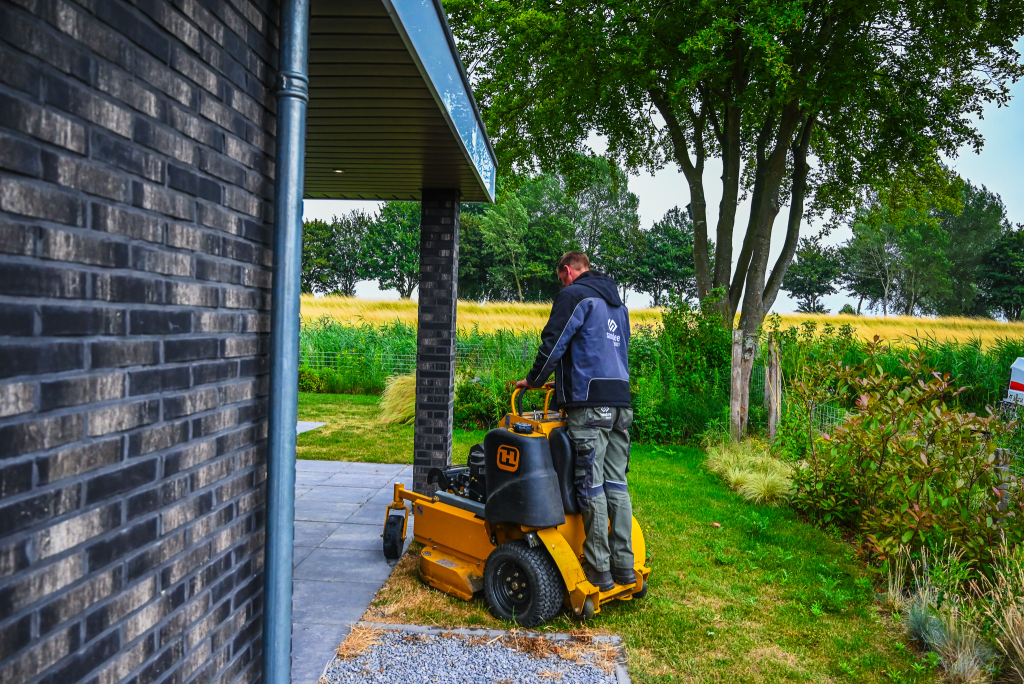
x=457 y=542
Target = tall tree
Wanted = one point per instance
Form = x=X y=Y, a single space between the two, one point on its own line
x=505 y=228
x=393 y=248
x=871 y=262
x=899 y=266
x=970 y=236
x=333 y=257
x=874 y=92
x=1001 y=275
x=664 y=263
x=604 y=213
x=812 y=275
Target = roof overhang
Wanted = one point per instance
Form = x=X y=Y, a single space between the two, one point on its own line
x=391 y=111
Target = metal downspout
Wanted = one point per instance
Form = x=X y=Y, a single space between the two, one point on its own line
x=292 y=96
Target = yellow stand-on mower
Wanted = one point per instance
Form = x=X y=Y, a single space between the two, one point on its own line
x=508 y=524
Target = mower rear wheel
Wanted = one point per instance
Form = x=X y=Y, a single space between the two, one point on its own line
x=643 y=591
x=393 y=541
x=522 y=584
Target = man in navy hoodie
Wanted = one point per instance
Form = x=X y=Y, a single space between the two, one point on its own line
x=586 y=343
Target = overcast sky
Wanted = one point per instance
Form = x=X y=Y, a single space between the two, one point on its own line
x=998 y=167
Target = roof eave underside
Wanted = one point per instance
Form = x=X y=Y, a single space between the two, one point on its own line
x=375 y=116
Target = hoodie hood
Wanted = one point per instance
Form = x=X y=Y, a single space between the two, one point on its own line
x=602 y=285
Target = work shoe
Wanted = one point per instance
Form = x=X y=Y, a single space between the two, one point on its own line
x=623 y=576
x=602 y=579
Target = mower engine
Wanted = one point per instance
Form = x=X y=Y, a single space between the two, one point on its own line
x=468 y=481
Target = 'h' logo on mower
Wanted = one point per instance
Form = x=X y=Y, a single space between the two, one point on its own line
x=508 y=458
x=611 y=325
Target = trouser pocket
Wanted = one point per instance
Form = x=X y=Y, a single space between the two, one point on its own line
x=585 y=453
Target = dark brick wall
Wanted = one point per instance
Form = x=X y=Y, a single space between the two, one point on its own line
x=136 y=171
x=435 y=336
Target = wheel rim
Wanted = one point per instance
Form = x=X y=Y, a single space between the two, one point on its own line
x=514 y=590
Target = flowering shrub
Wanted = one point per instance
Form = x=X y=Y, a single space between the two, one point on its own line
x=907 y=469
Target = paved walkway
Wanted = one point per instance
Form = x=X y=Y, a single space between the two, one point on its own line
x=339 y=562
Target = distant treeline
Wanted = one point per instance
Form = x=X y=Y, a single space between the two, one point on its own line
x=967 y=262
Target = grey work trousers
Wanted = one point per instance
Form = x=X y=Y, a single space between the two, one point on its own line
x=600 y=439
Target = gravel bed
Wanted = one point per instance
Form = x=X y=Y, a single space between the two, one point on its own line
x=401 y=658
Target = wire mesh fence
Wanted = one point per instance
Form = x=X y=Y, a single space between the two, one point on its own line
x=485 y=363
x=480 y=362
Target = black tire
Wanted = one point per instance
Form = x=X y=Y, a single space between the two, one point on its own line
x=393 y=540
x=522 y=584
x=643 y=591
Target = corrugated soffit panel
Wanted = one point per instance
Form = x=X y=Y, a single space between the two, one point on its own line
x=377 y=107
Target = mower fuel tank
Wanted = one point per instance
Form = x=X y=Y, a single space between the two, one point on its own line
x=522 y=487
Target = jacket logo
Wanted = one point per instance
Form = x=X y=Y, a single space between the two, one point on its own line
x=508 y=458
x=612 y=327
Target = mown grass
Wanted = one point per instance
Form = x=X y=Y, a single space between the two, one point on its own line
x=504 y=316
x=762 y=598
x=354 y=433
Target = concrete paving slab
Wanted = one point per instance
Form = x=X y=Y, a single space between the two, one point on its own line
x=371 y=542
x=345 y=564
x=299 y=554
x=311 y=478
x=347 y=479
x=323 y=466
x=324 y=511
x=306 y=426
x=330 y=603
x=389 y=469
x=312 y=647
x=369 y=513
x=355 y=495
x=339 y=563
x=313 y=533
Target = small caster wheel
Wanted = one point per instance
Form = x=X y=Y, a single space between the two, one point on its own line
x=393 y=541
x=588 y=611
x=642 y=593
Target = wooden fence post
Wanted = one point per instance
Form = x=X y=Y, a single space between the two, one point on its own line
x=773 y=389
x=746 y=371
x=735 y=388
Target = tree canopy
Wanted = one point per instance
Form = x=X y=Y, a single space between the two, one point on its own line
x=392 y=248
x=812 y=275
x=871 y=93
x=332 y=254
x=926 y=262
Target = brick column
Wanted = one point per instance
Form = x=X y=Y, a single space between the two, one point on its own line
x=435 y=339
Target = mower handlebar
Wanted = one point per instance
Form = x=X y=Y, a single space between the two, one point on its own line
x=517 y=398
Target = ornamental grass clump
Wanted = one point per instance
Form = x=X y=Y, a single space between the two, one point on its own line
x=944 y=613
x=398 y=403
x=747 y=469
x=1006 y=611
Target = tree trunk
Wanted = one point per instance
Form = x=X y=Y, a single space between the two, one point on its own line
x=859 y=302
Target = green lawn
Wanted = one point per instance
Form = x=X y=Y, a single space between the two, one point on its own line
x=352 y=432
x=763 y=598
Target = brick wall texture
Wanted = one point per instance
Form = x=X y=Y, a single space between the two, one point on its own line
x=136 y=173
x=435 y=336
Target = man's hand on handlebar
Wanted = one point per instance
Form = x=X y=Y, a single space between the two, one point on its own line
x=522 y=384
